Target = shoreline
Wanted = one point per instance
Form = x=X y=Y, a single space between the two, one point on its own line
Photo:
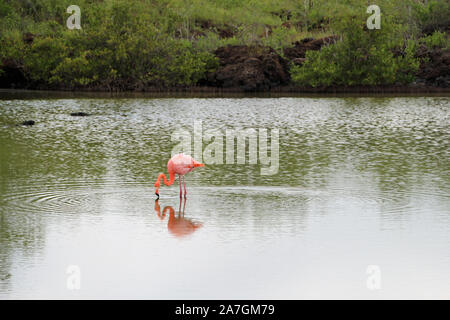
x=238 y=91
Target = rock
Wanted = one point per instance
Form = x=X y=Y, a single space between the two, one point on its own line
x=434 y=67
x=305 y=40
x=300 y=47
x=251 y=68
x=298 y=61
x=12 y=76
x=28 y=38
x=275 y=69
x=443 y=82
x=283 y=14
x=79 y=114
x=259 y=68
x=286 y=25
x=27 y=123
x=224 y=31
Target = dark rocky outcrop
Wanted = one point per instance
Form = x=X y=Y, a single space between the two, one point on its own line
x=252 y=68
x=27 y=123
x=283 y=14
x=224 y=31
x=11 y=76
x=300 y=47
x=79 y=114
x=259 y=68
x=28 y=38
x=435 y=67
x=298 y=61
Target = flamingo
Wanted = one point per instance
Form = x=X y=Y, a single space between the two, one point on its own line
x=179 y=164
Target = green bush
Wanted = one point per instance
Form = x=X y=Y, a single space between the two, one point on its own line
x=178 y=63
x=117 y=48
x=279 y=38
x=437 y=39
x=433 y=16
x=363 y=57
x=5 y=9
x=12 y=46
x=43 y=57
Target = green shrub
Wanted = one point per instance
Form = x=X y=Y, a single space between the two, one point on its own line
x=117 y=48
x=279 y=38
x=178 y=63
x=434 y=15
x=43 y=57
x=12 y=46
x=363 y=57
x=5 y=9
x=437 y=39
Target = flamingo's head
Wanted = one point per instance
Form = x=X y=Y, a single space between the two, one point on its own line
x=198 y=164
x=157 y=186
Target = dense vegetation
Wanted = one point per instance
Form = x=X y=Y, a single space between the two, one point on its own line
x=362 y=57
x=132 y=45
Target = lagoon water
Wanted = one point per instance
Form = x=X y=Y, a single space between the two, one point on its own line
x=359 y=207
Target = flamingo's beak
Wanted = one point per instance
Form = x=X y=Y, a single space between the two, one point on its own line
x=198 y=164
x=157 y=186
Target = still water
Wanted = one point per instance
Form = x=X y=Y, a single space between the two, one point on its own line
x=359 y=207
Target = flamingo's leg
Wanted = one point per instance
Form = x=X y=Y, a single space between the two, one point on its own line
x=179 y=208
x=181 y=193
x=184 y=183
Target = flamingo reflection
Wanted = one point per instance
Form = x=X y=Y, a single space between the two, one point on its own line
x=178 y=225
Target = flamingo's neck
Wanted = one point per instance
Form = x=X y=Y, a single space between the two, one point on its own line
x=171 y=213
x=158 y=210
x=163 y=177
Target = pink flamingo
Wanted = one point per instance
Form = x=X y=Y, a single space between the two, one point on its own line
x=179 y=164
